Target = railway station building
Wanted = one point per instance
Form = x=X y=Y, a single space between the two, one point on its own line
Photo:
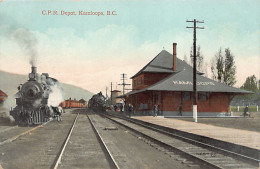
x=167 y=81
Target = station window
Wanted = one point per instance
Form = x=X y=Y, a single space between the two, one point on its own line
x=159 y=98
x=203 y=96
x=186 y=96
x=140 y=80
x=134 y=84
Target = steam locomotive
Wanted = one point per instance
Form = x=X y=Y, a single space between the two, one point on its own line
x=97 y=103
x=32 y=100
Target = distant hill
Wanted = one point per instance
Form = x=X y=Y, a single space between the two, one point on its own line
x=9 y=83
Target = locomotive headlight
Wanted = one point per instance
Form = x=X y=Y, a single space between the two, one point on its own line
x=31 y=75
x=32 y=92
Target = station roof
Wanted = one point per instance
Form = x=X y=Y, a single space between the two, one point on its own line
x=183 y=81
x=163 y=63
x=3 y=94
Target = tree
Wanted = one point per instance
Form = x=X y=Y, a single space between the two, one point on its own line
x=213 y=68
x=191 y=56
x=220 y=66
x=200 y=59
x=229 y=76
x=223 y=68
x=250 y=84
x=206 y=69
x=217 y=66
x=259 y=85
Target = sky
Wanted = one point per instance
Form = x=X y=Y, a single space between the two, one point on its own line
x=91 y=51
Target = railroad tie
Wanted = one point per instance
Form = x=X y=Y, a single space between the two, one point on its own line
x=187 y=162
x=180 y=159
x=193 y=165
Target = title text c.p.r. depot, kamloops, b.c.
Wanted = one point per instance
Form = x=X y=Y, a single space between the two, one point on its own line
x=80 y=12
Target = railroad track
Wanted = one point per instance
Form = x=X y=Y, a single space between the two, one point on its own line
x=71 y=143
x=65 y=157
x=112 y=161
x=42 y=147
x=185 y=149
x=58 y=159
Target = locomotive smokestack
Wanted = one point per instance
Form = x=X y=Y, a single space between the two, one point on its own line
x=34 y=69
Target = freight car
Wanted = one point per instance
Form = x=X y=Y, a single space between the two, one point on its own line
x=73 y=104
x=32 y=100
x=97 y=103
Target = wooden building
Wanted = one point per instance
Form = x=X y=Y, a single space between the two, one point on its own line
x=168 y=82
x=115 y=94
x=3 y=97
x=83 y=102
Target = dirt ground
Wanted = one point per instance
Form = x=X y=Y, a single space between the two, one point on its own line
x=248 y=123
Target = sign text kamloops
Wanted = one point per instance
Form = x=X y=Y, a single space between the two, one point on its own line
x=190 y=83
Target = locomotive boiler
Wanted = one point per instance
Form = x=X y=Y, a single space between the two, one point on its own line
x=32 y=100
x=97 y=103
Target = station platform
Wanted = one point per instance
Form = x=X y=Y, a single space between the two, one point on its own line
x=240 y=137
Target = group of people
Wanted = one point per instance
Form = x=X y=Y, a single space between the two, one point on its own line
x=156 y=110
x=130 y=109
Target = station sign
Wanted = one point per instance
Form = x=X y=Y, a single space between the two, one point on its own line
x=190 y=83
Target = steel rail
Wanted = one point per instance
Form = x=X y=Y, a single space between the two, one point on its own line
x=252 y=160
x=58 y=159
x=114 y=163
x=189 y=139
x=201 y=161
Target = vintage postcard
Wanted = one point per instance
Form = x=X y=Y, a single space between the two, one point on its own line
x=129 y=84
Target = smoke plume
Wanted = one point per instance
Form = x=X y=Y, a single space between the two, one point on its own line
x=12 y=30
x=56 y=95
x=28 y=42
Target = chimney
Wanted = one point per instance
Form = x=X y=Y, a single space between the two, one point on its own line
x=34 y=69
x=174 y=56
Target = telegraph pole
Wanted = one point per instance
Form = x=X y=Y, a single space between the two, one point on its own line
x=195 y=114
x=123 y=78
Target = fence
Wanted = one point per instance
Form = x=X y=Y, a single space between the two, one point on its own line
x=242 y=108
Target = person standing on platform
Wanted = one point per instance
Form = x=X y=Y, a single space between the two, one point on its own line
x=180 y=110
x=246 y=113
x=122 y=108
x=115 y=107
x=155 y=110
x=130 y=109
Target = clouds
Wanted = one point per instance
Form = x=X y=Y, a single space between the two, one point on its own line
x=96 y=58
x=90 y=61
